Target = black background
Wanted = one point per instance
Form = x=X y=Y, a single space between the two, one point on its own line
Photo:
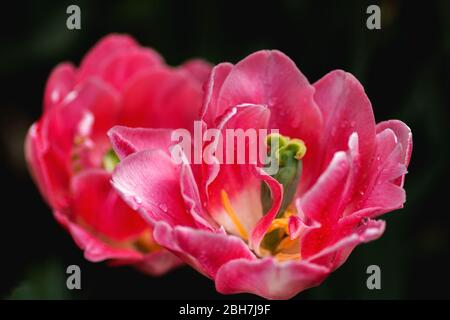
x=404 y=68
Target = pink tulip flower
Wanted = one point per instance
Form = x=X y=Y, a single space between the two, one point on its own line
x=70 y=157
x=271 y=235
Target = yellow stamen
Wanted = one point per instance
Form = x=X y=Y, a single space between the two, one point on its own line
x=286 y=243
x=280 y=223
x=287 y=256
x=145 y=243
x=290 y=211
x=233 y=217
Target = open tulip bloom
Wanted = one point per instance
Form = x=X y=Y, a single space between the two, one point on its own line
x=251 y=229
x=70 y=157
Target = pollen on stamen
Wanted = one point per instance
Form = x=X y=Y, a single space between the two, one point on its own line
x=232 y=215
x=288 y=256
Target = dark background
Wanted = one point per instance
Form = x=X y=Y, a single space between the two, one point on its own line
x=404 y=68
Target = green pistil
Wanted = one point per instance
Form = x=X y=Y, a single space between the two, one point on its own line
x=110 y=160
x=288 y=154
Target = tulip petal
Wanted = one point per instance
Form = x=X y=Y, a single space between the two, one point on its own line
x=161 y=98
x=271 y=79
x=61 y=125
x=198 y=68
x=119 y=68
x=391 y=168
x=49 y=168
x=100 y=207
x=238 y=181
x=126 y=141
x=276 y=190
x=404 y=136
x=321 y=204
x=204 y=250
x=107 y=46
x=59 y=84
x=337 y=252
x=95 y=250
x=158 y=263
x=191 y=195
x=322 y=200
x=345 y=109
x=268 y=278
x=383 y=192
x=149 y=182
x=209 y=112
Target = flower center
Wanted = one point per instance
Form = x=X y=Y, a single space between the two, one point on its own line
x=288 y=154
x=277 y=241
x=110 y=160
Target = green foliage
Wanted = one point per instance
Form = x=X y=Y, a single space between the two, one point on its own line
x=46 y=281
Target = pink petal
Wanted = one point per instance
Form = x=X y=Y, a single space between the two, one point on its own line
x=33 y=155
x=383 y=192
x=48 y=169
x=271 y=79
x=158 y=263
x=299 y=225
x=239 y=181
x=322 y=204
x=337 y=252
x=57 y=174
x=150 y=182
x=211 y=250
x=192 y=199
x=108 y=45
x=404 y=136
x=198 y=68
x=61 y=125
x=276 y=190
x=119 y=68
x=98 y=205
x=126 y=141
x=162 y=98
x=154 y=263
x=322 y=200
x=204 y=250
x=94 y=249
x=268 y=278
x=209 y=111
x=345 y=109
x=164 y=236
x=59 y=84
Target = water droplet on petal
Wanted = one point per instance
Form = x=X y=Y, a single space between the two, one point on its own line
x=136 y=202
